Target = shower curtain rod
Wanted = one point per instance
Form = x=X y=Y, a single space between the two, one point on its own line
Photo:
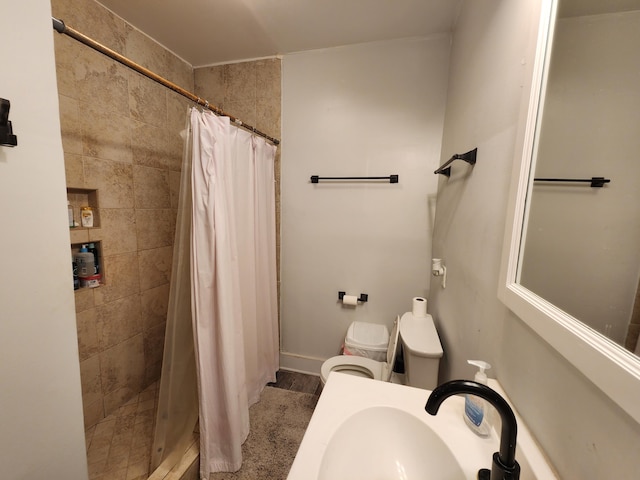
x=60 y=27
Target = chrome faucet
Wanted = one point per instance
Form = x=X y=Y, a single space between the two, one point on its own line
x=504 y=465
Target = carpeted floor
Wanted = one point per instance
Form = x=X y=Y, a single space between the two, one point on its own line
x=278 y=422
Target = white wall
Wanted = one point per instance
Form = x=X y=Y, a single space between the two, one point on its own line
x=41 y=433
x=585 y=435
x=366 y=110
x=582 y=251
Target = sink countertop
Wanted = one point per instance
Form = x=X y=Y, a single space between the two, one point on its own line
x=344 y=395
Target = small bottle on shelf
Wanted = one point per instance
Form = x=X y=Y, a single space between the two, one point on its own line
x=86 y=216
x=70 y=213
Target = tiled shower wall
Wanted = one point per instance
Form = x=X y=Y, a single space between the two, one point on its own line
x=120 y=135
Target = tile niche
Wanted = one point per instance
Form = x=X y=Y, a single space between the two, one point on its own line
x=77 y=199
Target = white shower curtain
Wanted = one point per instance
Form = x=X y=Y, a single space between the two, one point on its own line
x=233 y=277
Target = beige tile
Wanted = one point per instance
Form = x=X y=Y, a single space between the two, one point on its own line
x=116 y=462
x=240 y=81
x=98 y=454
x=74 y=170
x=174 y=188
x=138 y=470
x=139 y=453
x=118 y=321
x=153 y=347
x=84 y=299
x=93 y=412
x=143 y=432
x=118 y=231
x=114 y=181
x=209 y=84
x=67 y=50
x=70 y=125
x=105 y=134
x=177 y=109
x=244 y=110
x=102 y=82
x=155 y=228
x=123 y=434
x=146 y=52
x=90 y=380
x=147 y=100
x=147 y=416
x=152 y=188
x=155 y=267
x=122 y=368
x=127 y=409
x=156 y=147
x=268 y=78
x=121 y=273
x=124 y=428
x=120 y=474
x=78 y=235
x=180 y=72
x=92 y=19
x=104 y=429
x=154 y=306
x=268 y=116
x=175 y=152
x=88 y=344
x=145 y=406
x=114 y=400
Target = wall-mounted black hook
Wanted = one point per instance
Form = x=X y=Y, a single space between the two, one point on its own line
x=7 y=138
x=469 y=157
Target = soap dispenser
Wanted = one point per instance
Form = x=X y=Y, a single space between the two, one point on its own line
x=475 y=408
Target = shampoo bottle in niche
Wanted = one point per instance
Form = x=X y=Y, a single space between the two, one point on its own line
x=85 y=262
x=475 y=408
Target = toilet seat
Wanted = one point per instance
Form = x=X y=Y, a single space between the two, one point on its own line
x=352 y=365
x=362 y=366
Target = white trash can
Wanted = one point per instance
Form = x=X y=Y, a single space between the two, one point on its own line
x=367 y=340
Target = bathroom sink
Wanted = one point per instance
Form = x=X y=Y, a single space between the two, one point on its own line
x=401 y=448
x=365 y=429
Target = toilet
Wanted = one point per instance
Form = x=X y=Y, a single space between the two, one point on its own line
x=363 y=366
x=421 y=349
x=422 y=352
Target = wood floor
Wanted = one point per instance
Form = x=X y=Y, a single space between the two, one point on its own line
x=297 y=382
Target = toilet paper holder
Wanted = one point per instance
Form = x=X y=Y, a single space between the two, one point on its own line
x=362 y=298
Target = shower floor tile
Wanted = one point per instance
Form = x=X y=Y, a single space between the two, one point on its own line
x=119 y=446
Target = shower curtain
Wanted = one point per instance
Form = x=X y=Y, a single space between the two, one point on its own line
x=233 y=282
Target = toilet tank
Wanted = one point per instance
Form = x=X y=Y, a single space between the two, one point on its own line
x=422 y=350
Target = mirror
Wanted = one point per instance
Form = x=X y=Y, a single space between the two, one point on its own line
x=581 y=251
x=566 y=243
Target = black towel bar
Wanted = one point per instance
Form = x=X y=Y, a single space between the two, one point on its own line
x=595 y=182
x=391 y=178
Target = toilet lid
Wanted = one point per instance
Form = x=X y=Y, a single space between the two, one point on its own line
x=419 y=335
x=393 y=343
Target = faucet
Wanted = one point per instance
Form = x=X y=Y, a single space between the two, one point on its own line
x=504 y=465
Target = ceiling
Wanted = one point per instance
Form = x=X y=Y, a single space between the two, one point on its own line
x=208 y=32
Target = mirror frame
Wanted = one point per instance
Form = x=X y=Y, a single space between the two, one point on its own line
x=609 y=366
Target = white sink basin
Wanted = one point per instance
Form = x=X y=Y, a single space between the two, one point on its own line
x=397 y=451
x=366 y=429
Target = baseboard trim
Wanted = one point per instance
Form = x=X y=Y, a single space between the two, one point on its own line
x=300 y=363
